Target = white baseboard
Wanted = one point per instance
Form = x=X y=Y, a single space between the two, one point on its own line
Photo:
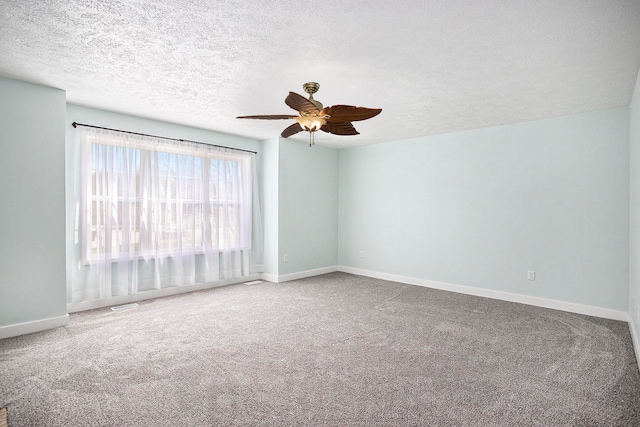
x=634 y=338
x=299 y=275
x=269 y=277
x=34 y=326
x=157 y=293
x=605 y=313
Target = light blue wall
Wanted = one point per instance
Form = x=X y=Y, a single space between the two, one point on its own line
x=270 y=193
x=481 y=208
x=32 y=212
x=634 y=222
x=308 y=207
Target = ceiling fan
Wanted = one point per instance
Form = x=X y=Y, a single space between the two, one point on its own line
x=313 y=116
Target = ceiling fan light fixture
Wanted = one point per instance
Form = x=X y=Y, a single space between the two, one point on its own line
x=313 y=117
x=311 y=122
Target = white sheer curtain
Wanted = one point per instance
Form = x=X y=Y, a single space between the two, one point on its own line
x=152 y=213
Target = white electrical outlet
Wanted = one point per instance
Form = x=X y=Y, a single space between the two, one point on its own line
x=531 y=275
x=361 y=254
x=286 y=257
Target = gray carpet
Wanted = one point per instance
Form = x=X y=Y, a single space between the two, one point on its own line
x=335 y=350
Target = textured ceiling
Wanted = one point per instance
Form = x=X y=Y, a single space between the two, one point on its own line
x=432 y=66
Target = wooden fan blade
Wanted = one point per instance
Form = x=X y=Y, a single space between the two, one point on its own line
x=339 y=128
x=300 y=103
x=349 y=113
x=291 y=130
x=268 y=117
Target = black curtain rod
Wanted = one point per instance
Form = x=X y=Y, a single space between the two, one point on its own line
x=74 y=124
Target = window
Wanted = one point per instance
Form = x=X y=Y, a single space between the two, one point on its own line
x=188 y=208
x=147 y=202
